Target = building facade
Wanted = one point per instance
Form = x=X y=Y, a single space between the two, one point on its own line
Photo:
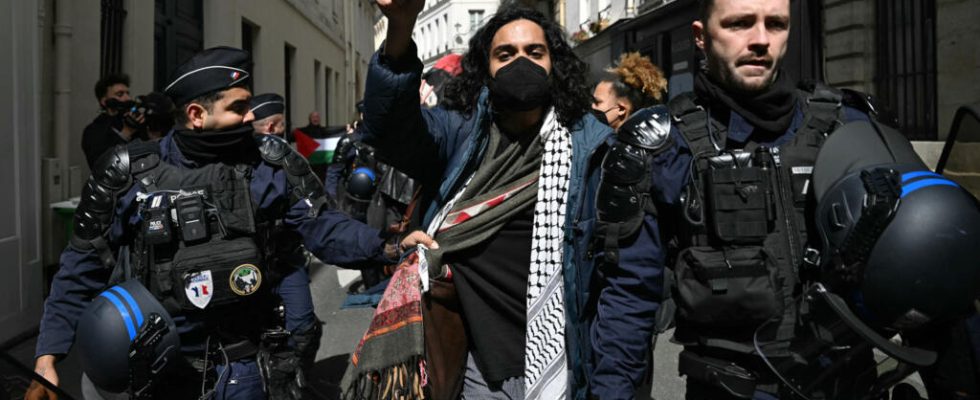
x=445 y=26
x=314 y=52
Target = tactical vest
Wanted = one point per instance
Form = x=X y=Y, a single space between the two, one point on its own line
x=743 y=231
x=203 y=244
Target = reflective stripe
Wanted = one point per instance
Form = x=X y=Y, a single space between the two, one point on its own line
x=908 y=189
x=127 y=319
x=918 y=174
x=132 y=304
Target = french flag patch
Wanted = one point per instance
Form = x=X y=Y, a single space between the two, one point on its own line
x=235 y=75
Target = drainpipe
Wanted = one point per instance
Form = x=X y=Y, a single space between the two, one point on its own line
x=62 y=82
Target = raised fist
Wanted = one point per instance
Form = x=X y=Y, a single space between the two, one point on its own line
x=401 y=10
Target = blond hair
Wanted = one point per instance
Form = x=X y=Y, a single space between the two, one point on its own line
x=641 y=76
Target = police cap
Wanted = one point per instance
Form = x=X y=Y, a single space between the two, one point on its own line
x=267 y=104
x=211 y=70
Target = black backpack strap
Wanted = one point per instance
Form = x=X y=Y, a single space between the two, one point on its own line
x=822 y=109
x=692 y=120
x=144 y=158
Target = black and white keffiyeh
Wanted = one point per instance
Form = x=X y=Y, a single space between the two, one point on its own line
x=545 y=365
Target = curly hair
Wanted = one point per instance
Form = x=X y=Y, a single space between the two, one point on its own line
x=637 y=79
x=571 y=95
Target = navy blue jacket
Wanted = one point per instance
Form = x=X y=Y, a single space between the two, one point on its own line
x=434 y=146
x=669 y=175
x=332 y=236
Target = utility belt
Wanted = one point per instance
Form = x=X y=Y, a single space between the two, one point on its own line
x=219 y=354
x=731 y=377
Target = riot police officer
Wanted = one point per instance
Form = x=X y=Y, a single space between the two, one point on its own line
x=729 y=187
x=288 y=354
x=205 y=212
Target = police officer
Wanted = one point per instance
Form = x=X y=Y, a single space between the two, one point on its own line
x=730 y=171
x=269 y=110
x=239 y=200
x=285 y=359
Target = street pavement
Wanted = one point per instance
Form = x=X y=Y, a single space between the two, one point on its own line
x=342 y=330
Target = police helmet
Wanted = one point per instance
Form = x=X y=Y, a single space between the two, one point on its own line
x=903 y=241
x=114 y=320
x=362 y=183
x=898 y=249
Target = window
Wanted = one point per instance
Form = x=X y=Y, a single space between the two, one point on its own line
x=476 y=20
x=325 y=118
x=178 y=34
x=584 y=11
x=289 y=53
x=317 y=85
x=906 y=70
x=248 y=44
x=113 y=18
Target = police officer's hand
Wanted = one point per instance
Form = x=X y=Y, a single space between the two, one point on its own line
x=401 y=21
x=44 y=366
x=416 y=238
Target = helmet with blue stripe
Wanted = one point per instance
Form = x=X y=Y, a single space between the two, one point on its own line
x=897 y=251
x=902 y=242
x=125 y=317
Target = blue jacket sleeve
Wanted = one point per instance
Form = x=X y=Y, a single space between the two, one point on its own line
x=334 y=172
x=411 y=139
x=80 y=277
x=331 y=235
x=624 y=323
x=336 y=238
x=633 y=290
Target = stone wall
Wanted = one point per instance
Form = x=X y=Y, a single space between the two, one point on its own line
x=957 y=58
x=849 y=44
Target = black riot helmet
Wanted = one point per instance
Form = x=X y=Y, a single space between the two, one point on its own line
x=899 y=248
x=362 y=183
x=125 y=318
x=906 y=241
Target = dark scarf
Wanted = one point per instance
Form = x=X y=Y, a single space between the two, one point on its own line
x=232 y=146
x=770 y=110
x=506 y=165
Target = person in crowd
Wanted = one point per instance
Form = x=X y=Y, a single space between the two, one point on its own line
x=269 y=109
x=111 y=127
x=633 y=83
x=158 y=114
x=508 y=165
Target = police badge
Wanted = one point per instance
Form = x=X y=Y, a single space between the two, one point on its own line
x=245 y=279
x=199 y=288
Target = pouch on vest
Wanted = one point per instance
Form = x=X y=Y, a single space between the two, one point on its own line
x=739 y=203
x=216 y=273
x=735 y=287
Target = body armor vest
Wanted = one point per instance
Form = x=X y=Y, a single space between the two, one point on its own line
x=743 y=230
x=200 y=245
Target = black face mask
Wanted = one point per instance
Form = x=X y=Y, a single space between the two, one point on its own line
x=601 y=115
x=521 y=85
x=233 y=145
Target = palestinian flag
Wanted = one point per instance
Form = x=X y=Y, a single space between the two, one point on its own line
x=317 y=143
